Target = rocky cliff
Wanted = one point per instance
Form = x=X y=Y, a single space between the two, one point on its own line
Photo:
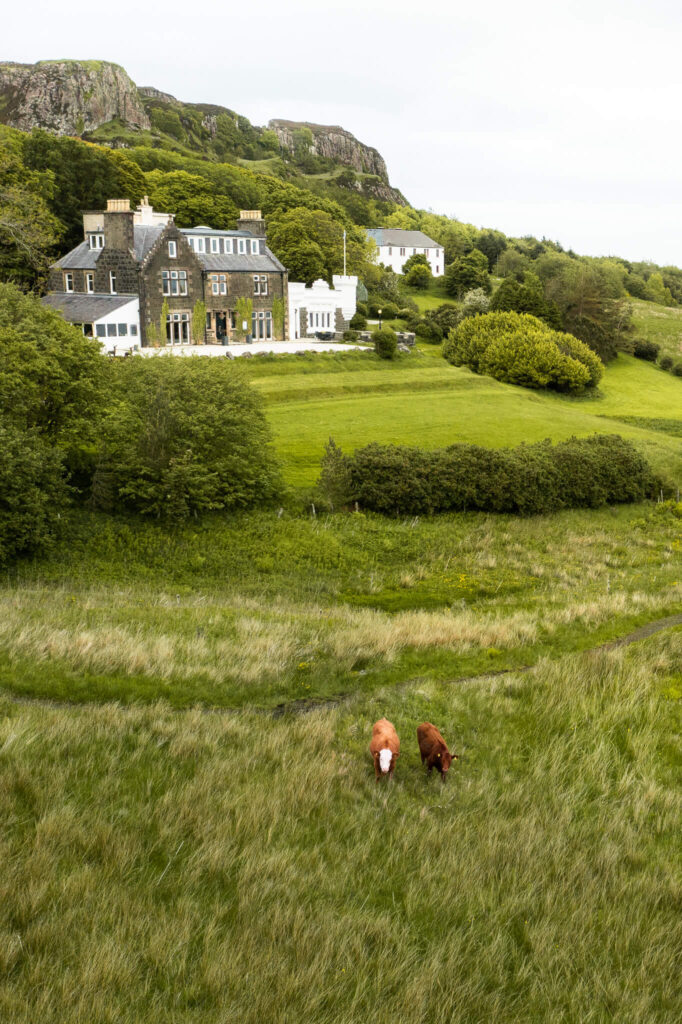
x=333 y=143
x=68 y=97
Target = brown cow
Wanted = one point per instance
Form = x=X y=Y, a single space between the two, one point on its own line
x=434 y=749
x=384 y=748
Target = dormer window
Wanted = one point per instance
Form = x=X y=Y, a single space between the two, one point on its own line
x=172 y=249
x=242 y=246
x=96 y=241
x=254 y=246
x=228 y=246
x=198 y=244
x=215 y=245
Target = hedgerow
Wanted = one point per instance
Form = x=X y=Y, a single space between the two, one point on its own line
x=527 y=480
x=520 y=349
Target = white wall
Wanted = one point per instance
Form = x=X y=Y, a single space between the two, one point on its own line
x=323 y=300
x=390 y=256
x=129 y=315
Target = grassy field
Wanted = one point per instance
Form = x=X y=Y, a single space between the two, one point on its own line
x=262 y=609
x=422 y=400
x=661 y=324
x=233 y=868
x=172 y=850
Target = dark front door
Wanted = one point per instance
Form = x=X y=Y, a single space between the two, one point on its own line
x=220 y=325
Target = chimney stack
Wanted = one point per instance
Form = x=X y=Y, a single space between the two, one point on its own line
x=118 y=225
x=251 y=221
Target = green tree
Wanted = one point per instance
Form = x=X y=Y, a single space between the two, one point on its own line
x=419 y=277
x=467 y=272
x=184 y=437
x=417 y=259
x=199 y=322
x=243 y=315
x=163 y=322
x=83 y=177
x=310 y=244
x=192 y=199
x=278 y=317
x=492 y=244
x=32 y=491
x=52 y=379
x=28 y=230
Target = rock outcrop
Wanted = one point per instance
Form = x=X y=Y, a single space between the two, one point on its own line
x=335 y=144
x=68 y=97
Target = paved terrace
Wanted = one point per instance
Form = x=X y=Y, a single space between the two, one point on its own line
x=278 y=347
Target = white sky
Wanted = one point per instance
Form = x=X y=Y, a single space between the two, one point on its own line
x=526 y=116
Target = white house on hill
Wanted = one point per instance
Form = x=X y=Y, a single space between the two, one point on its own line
x=395 y=247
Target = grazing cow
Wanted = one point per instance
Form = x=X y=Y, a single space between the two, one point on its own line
x=384 y=748
x=434 y=749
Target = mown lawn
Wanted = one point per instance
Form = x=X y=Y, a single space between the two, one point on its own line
x=235 y=869
x=435 y=404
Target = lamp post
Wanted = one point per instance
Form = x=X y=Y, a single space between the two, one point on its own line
x=379 y=312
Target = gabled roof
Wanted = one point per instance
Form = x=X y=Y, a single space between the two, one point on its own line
x=396 y=236
x=82 y=308
x=85 y=258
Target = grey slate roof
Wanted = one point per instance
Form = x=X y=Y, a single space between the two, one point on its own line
x=85 y=258
x=260 y=264
x=396 y=236
x=81 y=308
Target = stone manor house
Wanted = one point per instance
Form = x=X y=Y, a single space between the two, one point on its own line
x=114 y=284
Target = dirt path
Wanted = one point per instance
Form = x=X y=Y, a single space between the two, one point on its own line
x=306 y=705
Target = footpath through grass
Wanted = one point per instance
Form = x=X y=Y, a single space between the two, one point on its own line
x=261 y=609
x=234 y=869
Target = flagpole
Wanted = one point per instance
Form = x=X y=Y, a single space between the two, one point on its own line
x=344 y=253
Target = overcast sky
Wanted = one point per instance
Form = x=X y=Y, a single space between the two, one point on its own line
x=529 y=117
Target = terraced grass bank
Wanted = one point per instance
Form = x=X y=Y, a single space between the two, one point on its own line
x=422 y=401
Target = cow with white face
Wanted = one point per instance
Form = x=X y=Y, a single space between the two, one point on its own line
x=384 y=748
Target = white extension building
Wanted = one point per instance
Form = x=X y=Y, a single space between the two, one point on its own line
x=113 y=319
x=319 y=309
x=395 y=246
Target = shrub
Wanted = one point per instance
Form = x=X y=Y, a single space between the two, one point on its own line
x=389 y=311
x=32 y=491
x=429 y=330
x=520 y=349
x=646 y=350
x=184 y=437
x=475 y=303
x=527 y=480
x=677 y=369
x=351 y=335
x=666 y=362
x=358 y=322
x=386 y=344
x=362 y=309
x=419 y=276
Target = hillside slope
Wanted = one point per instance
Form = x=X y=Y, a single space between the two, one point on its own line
x=98 y=101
